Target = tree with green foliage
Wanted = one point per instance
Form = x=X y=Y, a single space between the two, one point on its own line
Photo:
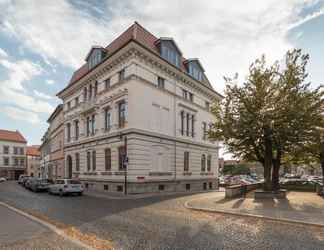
x=269 y=115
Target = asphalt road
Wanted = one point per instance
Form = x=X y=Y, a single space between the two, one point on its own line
x=162 y=223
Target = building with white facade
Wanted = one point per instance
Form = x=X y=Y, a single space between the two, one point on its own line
x=136 y=116
x=12 y=154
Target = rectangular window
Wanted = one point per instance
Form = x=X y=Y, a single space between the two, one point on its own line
x=121 y=157
x=76 y=101
x=170 y=55
x=69 y=105
x=85 y=94
x=106 y=187
x=94 y=159
x=6 y=161
x=107 y=119
x=22 y=162
x=121 y=114
x=77 y=162
x=88 y=125
x=76 y=127
x=16 y=162
x=182 y=114
x=121 y=75
x=22 y=151
x=161 y=83
x=209 y=163
x=6 y=150
x=192 y=125
x=93 y=124
x=15 y=150
x=207 y=105
x=186 y=161
x=185 y=94
x=107 y=159
x=88 y=161
x=188 y=124
x=191 y=97
x=95 y=89
x=107 y=83
x=90 y=92
x=68 y=132
x=204 y=125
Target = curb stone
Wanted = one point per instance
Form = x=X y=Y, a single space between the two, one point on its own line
x=209 y=210
x=48 y=225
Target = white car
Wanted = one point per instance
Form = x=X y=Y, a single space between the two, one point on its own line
x=66 y=186
x=2 y=179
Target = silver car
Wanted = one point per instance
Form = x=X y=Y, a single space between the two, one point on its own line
x=66 y=186
x=37 y=184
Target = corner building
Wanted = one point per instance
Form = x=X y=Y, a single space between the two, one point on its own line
x=140 y=97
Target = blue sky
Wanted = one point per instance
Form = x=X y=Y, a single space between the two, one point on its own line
x=42 y=42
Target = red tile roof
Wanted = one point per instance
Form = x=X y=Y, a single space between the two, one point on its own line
x=33 y=150
x=15 y=136
x=135 y=32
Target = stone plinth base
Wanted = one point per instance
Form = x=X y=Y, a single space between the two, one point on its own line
x=261 y=194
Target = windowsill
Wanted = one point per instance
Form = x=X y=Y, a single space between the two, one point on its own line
x=90 y=173
x=187 y=173
x=160 y=173
x=206 y=173
x=120 y=172
x=107 y=173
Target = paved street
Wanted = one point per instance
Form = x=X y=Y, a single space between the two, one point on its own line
x=19 y=232
x=161 y=223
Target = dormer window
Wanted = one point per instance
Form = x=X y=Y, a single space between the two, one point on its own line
x=195 y=69
x=95 y=56
x=169 y=51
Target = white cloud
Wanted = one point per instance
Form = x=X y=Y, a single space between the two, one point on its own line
x=3 y=53
x=50 y=82
x=226 y=35
x=12 y=90
x=20 y=115
x=42 y=95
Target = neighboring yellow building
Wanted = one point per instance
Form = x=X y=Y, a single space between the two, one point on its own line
x=33 y=161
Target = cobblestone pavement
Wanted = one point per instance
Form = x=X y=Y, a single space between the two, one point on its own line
x=162 y=223
x=19 y=232
x=299 y=206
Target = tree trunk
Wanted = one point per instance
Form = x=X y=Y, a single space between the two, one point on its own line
x=322 y=165
x=267 y=159
x=275 y=172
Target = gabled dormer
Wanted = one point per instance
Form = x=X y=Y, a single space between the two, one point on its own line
x=195 y=69
x=169 y=50
x=95 y=56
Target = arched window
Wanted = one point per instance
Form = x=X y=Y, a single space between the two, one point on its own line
x=203 y=163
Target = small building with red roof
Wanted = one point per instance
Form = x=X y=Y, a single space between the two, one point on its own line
x=13 y=147
x=33 y=160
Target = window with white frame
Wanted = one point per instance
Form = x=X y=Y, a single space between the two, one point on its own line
x=203 y=163
x=121 y=114
x=186 y=161
x=209 y=159
x=107 y=119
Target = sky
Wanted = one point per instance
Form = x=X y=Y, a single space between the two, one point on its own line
x=42 y=42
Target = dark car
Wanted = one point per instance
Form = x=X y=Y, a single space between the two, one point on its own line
x=37 y=184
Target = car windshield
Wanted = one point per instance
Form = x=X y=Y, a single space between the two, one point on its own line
x=73 y=182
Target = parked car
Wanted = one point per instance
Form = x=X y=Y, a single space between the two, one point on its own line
x=21 y=178
x=66 y=186
x=27 y=181
x=38 y=184
x=2 y=179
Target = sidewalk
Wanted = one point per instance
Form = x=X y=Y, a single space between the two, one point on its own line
x=299 y=207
